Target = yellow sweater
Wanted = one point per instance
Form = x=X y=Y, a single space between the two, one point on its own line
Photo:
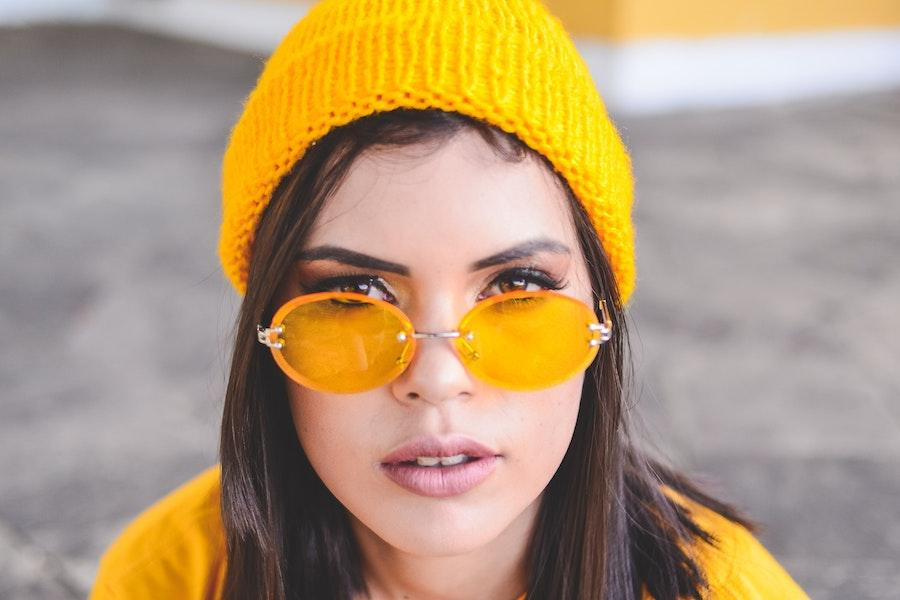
x=176 y=549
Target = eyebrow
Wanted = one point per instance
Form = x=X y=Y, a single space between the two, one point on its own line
x=525 y=249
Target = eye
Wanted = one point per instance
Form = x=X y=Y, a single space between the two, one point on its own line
x=528 y=279
x=358 y=284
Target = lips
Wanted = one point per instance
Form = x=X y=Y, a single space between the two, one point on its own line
x=440 y=480
x=442 y=448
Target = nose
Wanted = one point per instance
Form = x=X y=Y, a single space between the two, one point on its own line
x=435 y=374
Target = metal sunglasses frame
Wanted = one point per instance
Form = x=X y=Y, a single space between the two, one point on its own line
x=269 y=336
x=599 y=332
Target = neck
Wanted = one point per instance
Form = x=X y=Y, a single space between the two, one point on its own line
x=498 y=569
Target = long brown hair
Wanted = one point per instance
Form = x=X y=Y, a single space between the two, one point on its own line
x=605 y=526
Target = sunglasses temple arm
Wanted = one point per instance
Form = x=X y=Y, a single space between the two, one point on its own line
x=268 y=336
x=605 y=328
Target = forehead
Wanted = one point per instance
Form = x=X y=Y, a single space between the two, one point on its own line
x=444 y=206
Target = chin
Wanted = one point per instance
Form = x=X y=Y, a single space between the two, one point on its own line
x=439 y=541
x=444 y=534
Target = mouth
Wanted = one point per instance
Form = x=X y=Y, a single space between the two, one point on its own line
x=447 y=451
x=440 y=468
x=440 y=461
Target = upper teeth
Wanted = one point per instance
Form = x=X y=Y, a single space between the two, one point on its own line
x=430 y=461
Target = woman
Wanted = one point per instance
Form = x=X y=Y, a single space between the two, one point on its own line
x=428 y=213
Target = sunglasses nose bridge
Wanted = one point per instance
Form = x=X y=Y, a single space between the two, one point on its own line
x=423 y=335
x=464 y=344
x=464 y=348
x=432 y=335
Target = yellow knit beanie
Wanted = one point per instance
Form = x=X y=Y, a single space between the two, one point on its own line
x=507 y=62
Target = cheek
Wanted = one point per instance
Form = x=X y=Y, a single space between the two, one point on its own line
x=547 y=421
x=331 y=431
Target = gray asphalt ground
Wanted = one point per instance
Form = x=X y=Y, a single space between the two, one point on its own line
x=765 y=319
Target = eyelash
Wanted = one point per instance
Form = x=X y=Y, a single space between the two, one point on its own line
x=529 y=274
x=347 y=279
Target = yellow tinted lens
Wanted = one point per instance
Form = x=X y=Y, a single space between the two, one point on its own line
x=343 y=343
x=527 y=340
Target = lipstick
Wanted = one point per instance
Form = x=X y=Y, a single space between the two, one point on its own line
x=440 y=467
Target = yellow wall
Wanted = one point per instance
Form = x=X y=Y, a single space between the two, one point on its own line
x=636 y=19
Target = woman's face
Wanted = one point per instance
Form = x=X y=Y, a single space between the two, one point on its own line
x=434 y=215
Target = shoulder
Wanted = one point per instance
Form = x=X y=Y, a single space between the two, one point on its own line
x=175 y=548
x=737 y=565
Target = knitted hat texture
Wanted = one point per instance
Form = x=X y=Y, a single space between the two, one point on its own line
x=507 y=62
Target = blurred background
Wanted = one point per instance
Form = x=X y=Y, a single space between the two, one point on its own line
x=766 y=143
